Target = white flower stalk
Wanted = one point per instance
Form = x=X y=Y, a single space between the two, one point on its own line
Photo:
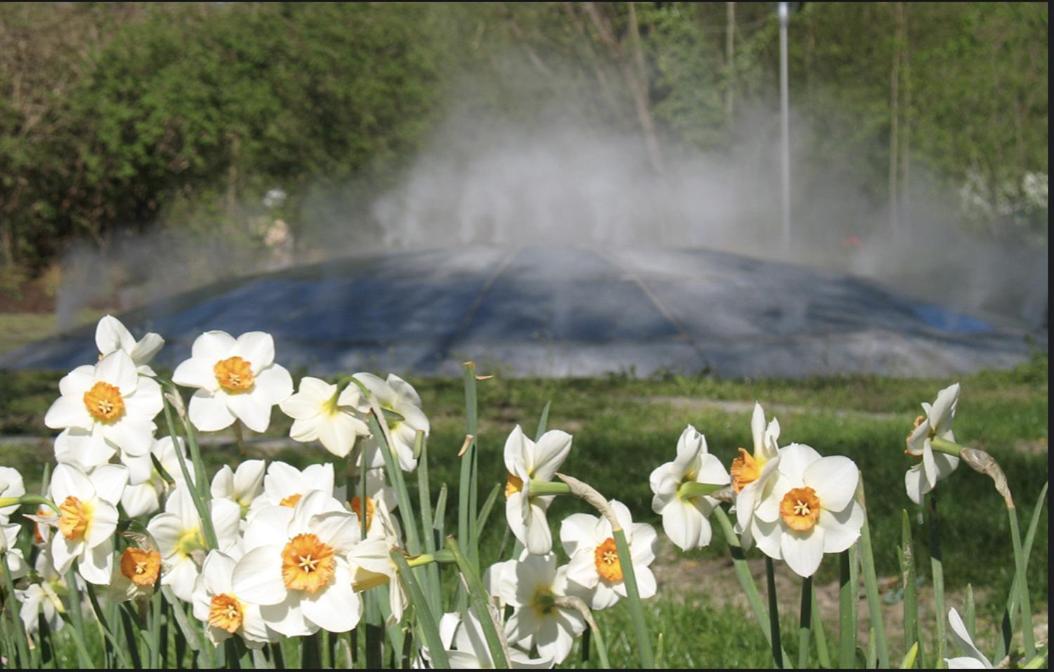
x=181 y=540
x=937 y=423
x=242 y=486
x=12 y=554
x=531 y=587
x=87 y=519
x=147 y=488
x=222 y=610
x=466 y=646
x=136 y=574
x=526 y=460
x=236 y=380
x=810 y=509
x=40 y=598
x=111 y=336
x=594 y=571
x=684 y=509
x=103 y=409
x=321 y=412
x=284 y=485
x=972 y=658
x=295 y=566
x=11 y=485
x=402 y=407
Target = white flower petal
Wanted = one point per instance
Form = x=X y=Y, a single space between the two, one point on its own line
x=257 y=577
x=834 y=479
x=209 y=412
x=197 y=372
x=683 y=524
x=549 y=453
x=336 y=608
x=68 y=412
x=795 y=458
x=841 y=529
x=255 y=347
x=803 y=552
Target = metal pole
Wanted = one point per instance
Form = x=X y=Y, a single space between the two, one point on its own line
x=784 y=129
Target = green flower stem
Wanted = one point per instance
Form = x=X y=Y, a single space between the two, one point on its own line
x=846 y=612
x=16 y=621
x=539 y=488
x=774 y=613
x=970 y=613
x=433 y=587
x=874 y=604
x=692 y=489
x=130 y=640
x=543 y=422
x=822 y=652
x=1021 y=585
x=909 y=658
x=937 y=571
x=194 y=490
x=104 y=624
x=33 y=500
x=647 y=660
x=1003 y=642
x=805 y=623
x=379 y=427
x=478 y=595
x=945 y=446
x=466 y=489
x=746 y=580
x=907 y=573
x=426 y=620
x=77 y=619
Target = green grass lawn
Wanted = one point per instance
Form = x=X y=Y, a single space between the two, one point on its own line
x=623 y=428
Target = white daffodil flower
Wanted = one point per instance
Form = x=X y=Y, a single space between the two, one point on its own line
x=136 y=574
x=531 y=587
x=754 y=474
x=219 y=607
x=16 y=563
x=402 y=407
x=937 y=423
x=284 y=485
x=378 y=494
x=104 y=408
x=295 y=566
x=526 y=460
x=147 y=488
x=236 y=380
x=241 y=486
x=111 y=336
x=40 y=598
x=11 y=485
x=594 y=571
x=684 y=513
x=972 y=658
x=87 y=519
x=322 y=412
x=466 y=646
x=810 y=509
x=181 y=541
x=371 y=563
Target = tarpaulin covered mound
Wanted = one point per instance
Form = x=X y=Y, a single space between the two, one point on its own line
x=568 y=312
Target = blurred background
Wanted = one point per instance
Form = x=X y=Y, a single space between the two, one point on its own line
x=149 y=148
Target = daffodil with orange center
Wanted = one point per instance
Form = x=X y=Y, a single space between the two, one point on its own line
x=684 y=512
x=236 y=379
x=141 y=566
x=753 y=474
x=932 y=466
x=295 y=566
x=87 y=519
x=402 y=408
x=104 y=409
x=526 y=460
x=594 y=571
x=285 y=485
x=321 y=412
x=810 y=509
x=531 y=586
x=222 y=609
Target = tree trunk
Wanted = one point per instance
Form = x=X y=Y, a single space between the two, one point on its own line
x=730 y=60
x=894 y=114
x=639 y=86
x=905 y=153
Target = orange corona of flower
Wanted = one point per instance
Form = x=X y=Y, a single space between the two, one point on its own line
x=104 y=402
x=74 y=518
x=606 y=558
x=800 y=509
x=234 y=375
x=745 y=470
x=307 y=564
x=356 y=506
x=141 y=566
x=513 y=484
x=225 y=613
x=291 y=500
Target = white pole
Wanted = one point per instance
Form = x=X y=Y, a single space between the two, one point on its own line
x=784 y=129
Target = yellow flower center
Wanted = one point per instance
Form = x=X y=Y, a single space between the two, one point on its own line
x=291 y=500
x=606 y=558
x=225 y=613
x=356 y=506
x=141 y=566
x=74 y=518
x=513 y=484
x=104 y=402
x=234 y=375
x=307 y=564
x=800 y=509
x=745 y=470
x=331 y=407
x=190 y=541
x=543 y=602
